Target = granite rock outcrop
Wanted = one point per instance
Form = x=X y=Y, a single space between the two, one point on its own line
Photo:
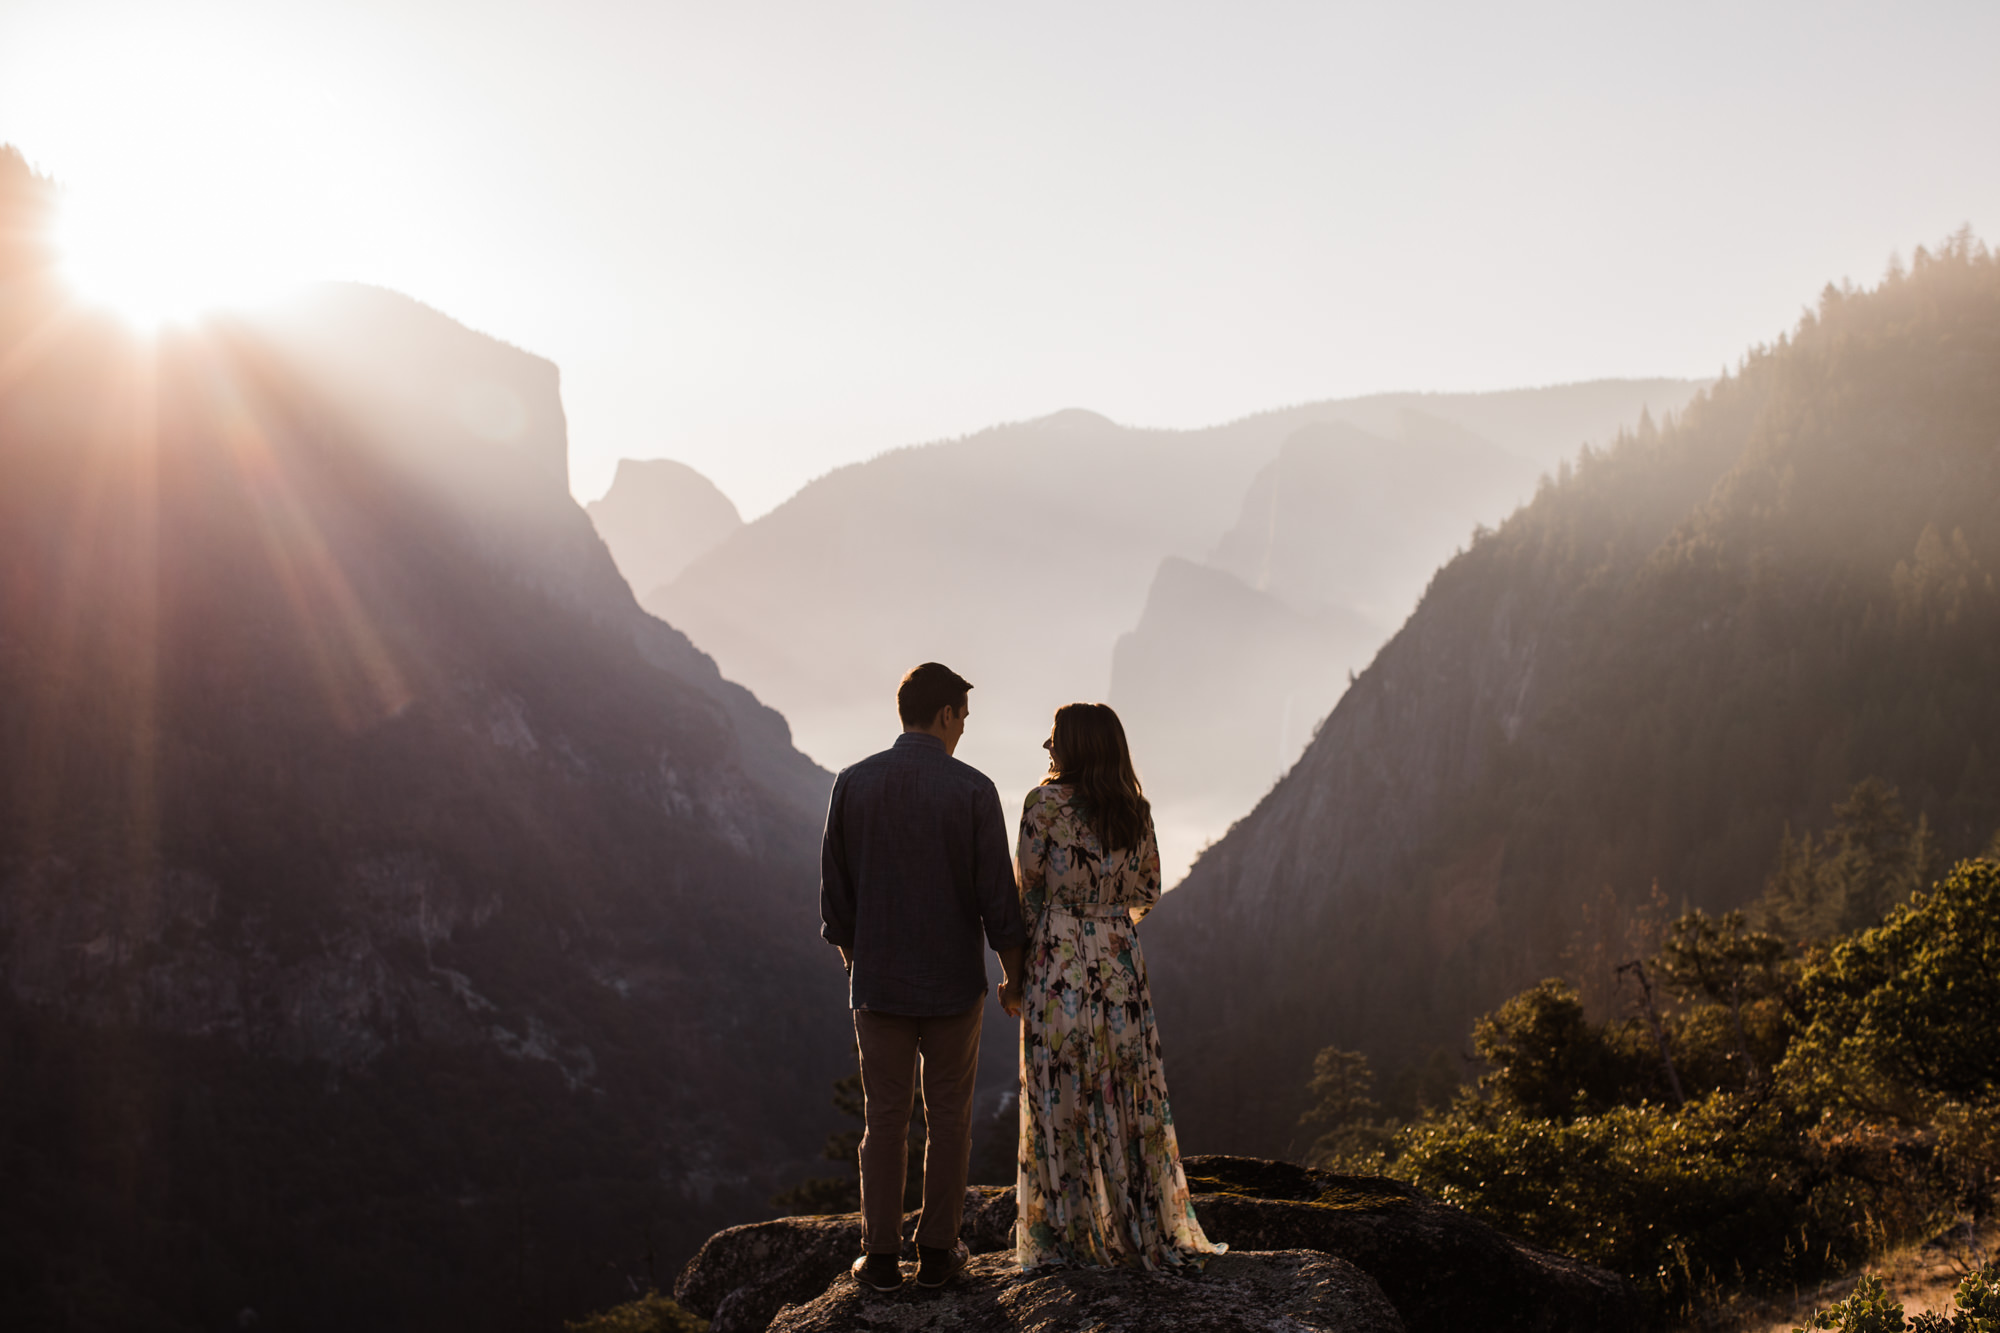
x=1434 y=1268
x=1285 y=1291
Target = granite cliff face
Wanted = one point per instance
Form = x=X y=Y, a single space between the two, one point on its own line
x=1699 y=636
x=394 y=918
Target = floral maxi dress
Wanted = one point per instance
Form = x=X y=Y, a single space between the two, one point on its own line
x=1100 y=1169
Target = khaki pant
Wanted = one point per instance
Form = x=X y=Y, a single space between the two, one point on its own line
x=893 y=1049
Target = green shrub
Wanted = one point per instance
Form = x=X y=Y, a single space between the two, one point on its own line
x=1900 y=1017
x=1881 y=1123
x=1978 y=1301
x=1545 y=1058
x=1680 y=1201
x=1968 y=1143
x=1837 y=1105
x=1869 y=1309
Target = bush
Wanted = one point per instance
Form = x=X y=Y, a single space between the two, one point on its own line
x=1881 y=1122
x=1869 y=1309
x=1681 y=1201
x=1545 y=1057
x=1900 y=1017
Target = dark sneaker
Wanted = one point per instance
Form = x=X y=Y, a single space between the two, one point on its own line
x=878 y=1271
x=935 y=1266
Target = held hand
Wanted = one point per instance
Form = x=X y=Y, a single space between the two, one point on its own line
x=1010 y=998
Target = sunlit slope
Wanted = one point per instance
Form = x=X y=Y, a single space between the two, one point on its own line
x=1020 y=555
x=1690 y=640
x=398 y=927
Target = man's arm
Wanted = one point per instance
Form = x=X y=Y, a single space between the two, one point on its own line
x=999 y=901
x=1011 y=979
x=836 y=885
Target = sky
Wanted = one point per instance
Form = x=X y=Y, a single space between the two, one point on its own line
x=769 y=239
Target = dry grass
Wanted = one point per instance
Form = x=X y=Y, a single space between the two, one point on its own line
x=1922 y=1276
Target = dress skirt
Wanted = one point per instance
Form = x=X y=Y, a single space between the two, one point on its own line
x=1100 y=1171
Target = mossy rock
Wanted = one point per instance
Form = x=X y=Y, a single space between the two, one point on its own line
x=1287 y=1182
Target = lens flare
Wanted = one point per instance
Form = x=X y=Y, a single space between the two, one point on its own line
x=156 y=261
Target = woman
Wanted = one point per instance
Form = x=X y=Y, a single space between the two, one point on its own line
x=1101 y=1181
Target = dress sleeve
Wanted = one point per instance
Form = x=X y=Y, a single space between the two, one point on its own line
x=1143 y=876
x=1031 y=859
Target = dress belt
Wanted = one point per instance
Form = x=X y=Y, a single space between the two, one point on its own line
x=1093 y=911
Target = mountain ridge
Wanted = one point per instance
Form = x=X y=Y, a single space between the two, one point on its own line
x=957 y=551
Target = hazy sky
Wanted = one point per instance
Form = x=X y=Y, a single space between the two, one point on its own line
x=770 y=238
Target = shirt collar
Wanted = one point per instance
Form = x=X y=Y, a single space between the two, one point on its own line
x=923 y=738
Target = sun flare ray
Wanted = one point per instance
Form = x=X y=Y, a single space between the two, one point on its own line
x=356 y=672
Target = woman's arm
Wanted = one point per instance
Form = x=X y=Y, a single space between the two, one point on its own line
x=1145 y=873
x=1031 y=860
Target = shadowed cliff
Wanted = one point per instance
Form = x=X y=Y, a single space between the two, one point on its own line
x=397 y=925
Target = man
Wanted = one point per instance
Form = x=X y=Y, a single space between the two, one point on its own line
x=914 y=869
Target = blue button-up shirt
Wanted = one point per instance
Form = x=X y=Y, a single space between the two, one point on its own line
x=914 y=869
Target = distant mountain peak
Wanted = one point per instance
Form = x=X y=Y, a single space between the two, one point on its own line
x=1074 y=418
x=660 y=516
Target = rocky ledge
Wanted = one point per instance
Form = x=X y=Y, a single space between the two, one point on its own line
x=1283 y=1291
x=1310 y=1250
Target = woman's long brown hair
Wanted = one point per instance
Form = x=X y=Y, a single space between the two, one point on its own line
x=1090 y=754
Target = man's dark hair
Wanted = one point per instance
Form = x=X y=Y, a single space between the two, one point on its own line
x=928 y=688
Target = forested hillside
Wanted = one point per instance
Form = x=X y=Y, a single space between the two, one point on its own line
x=1685 y=643
x=384 y=897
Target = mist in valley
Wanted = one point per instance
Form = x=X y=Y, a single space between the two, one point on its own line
x=1217 y=586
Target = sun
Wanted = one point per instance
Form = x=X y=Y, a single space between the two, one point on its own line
x=158 y=261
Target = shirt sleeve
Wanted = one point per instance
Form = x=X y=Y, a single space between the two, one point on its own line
x=836 y=884
x=1145 y=875
x=999 y=904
